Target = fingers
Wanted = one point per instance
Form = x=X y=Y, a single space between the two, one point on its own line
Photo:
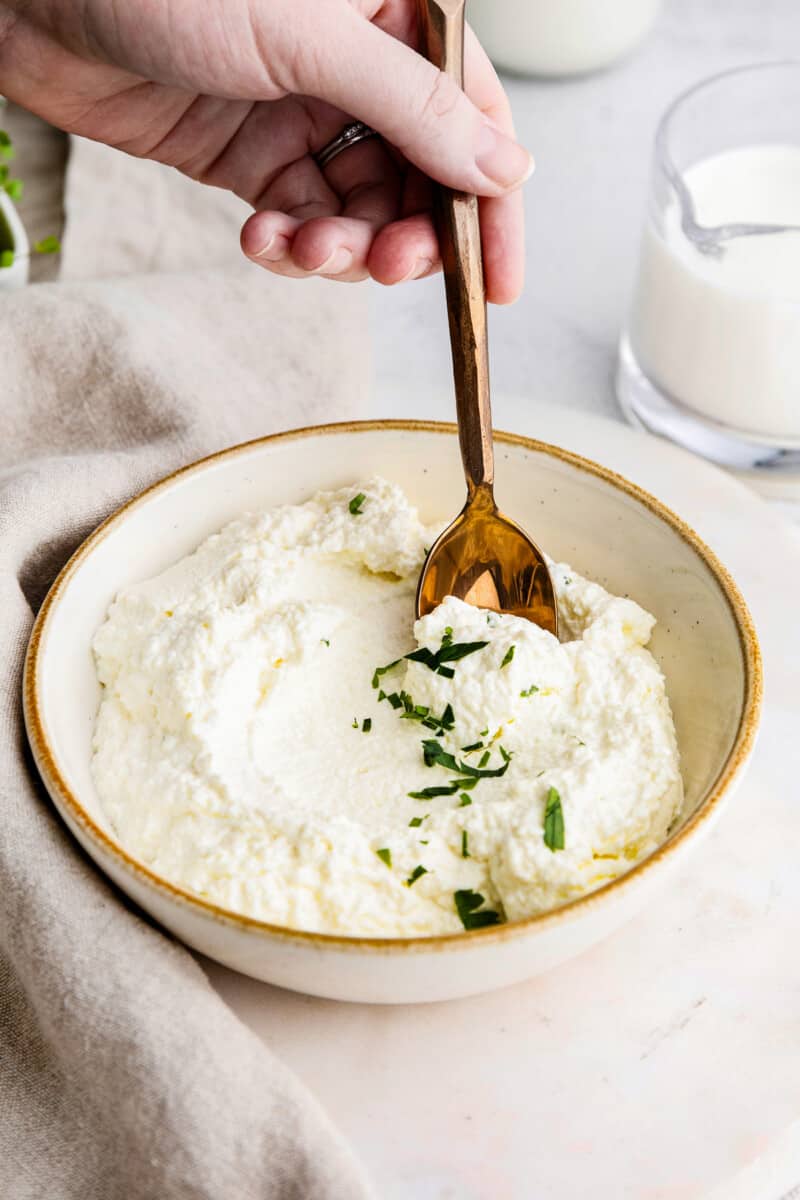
x=362 y=70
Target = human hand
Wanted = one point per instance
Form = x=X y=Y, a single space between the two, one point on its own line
x=241 y=96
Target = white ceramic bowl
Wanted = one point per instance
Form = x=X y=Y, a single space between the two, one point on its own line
x=604 y=526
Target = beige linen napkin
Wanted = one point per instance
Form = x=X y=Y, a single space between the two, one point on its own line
x=122 y=1074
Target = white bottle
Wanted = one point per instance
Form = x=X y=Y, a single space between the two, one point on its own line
x=559 y=37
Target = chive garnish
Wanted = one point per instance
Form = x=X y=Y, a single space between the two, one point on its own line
x=531 y=691
x=325 y=640
x=394 y=700
x=355 y=504
x=471 y=747
x=466 y=902
x=553 y=821
x=385 y=855
x=447 y=636
x=430 y=793
x=504 y=754
x=382 y=671
x=415 y=822
x=465 y=800
x=355 y=723
x=434 y=754
x=508 y=657
x=464 y=844
x=447 y=652
x=416 y=874
x=484 y=732
x=366 y=725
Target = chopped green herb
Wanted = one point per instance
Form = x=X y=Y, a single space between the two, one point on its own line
x=434 y=754
x=385 y=855
x=325 y=640
x=509 y=654
x=447 y=636
x=553 y=821
x=355 y=504
x=6 y=258
x=423 y=841
x=13 y=188
x=467 y=783
x=394 y=700
x=465 y=800
x=382 y=671
x=464 y=844
x=466 y=902
x=531 y=691
x=447 y=652
x=415 y=822
x=355 y=723
x=366 y=725
x=484 y=732
x=473 y=746
x=381 y=695
x=47 y=245
x=506 y=757
x=416 y=874
x=430 y=793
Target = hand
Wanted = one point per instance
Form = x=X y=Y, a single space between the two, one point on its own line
x=241 y=94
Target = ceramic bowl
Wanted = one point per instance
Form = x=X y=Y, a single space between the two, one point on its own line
x=604 y=526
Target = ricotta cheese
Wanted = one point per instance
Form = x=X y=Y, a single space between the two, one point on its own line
x=246 y=749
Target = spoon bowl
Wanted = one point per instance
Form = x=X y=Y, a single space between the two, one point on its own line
x=485 y=559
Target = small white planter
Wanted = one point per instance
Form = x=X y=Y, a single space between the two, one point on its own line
x=13 y=237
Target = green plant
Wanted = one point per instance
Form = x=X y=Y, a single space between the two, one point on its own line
x=13 y=189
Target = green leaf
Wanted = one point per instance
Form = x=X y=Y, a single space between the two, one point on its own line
x=465 y=800
x=366 y=725
x=415 y=822
x=355 y=504
x=553 y=821
x=467 y=902
x=430 y=793
x=531 y=691
x=464 y=844
x=51 y=245
x=385 y=855
x=416 y=874
x=508 y=657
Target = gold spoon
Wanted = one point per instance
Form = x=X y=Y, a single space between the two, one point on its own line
x=483 y=558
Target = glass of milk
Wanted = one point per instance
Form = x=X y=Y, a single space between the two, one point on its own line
x=559 y=37
x=711 y=354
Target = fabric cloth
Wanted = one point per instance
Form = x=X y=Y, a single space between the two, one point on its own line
x=122 y=1073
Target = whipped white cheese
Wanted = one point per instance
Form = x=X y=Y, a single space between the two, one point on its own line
x=246 y=750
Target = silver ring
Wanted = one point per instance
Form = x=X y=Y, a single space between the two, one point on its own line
x=351 y=135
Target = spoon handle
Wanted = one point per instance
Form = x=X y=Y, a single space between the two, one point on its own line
x=442 y=38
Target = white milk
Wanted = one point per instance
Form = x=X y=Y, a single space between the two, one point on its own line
x=721 y=334
x=559 y=37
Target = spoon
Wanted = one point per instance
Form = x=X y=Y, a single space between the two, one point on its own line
x=483 y=557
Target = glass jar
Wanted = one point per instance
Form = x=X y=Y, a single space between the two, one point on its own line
x=711 y=354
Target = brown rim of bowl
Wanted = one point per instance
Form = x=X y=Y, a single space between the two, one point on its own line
x=740 y=750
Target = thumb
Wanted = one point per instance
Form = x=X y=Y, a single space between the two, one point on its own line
x=420 y=110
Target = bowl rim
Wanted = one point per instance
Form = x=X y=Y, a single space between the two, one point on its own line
x=47 y=763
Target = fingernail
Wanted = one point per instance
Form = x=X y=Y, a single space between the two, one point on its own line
x=275 y=248
x=420 y=268
x=339 y=262
x=502 y=159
